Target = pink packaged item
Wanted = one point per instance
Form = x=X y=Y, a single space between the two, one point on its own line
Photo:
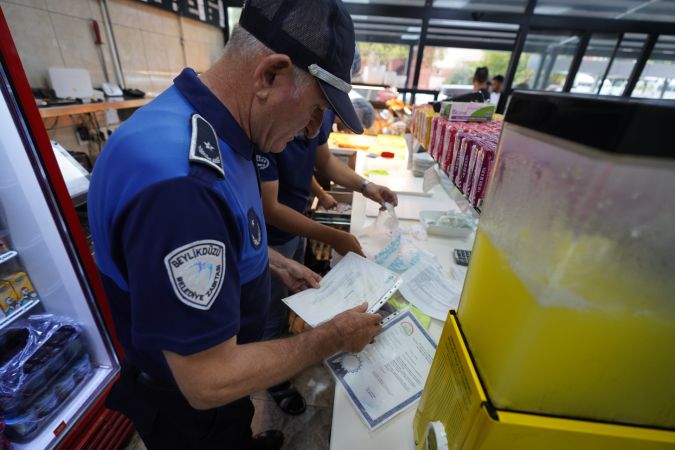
x=448 y=146
x=472 y=154
x=432 y=140
x=465 y=157
x=459 y=141
x=442 y=129
x=483 y=171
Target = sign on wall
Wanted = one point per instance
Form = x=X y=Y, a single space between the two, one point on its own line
x=211 y=12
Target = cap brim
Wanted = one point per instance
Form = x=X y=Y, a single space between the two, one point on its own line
x=342 y=106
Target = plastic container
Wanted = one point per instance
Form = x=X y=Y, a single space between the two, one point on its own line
x=23 y=427
x=568 y=302
x=455 y=225
x=43 y=348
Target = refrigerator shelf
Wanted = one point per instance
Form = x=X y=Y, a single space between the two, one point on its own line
x=7 y=256
x=18 y=313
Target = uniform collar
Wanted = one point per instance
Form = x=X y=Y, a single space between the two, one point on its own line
x=213 y=110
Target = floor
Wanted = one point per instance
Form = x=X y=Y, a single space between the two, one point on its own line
x=309 y=431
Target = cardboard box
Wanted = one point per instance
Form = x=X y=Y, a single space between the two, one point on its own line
x=9 y=300
x=454 y=398
x=23 y=287
x=467 y=112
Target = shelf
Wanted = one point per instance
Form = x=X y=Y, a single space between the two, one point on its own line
x=7 y=256
x=69 y=413
x=56 y=111
x=453 y=192
x=462 y=202
x=18 y=313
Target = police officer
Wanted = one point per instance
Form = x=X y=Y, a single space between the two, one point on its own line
x=179 y=234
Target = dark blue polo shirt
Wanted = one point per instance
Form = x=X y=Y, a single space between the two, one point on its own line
x=179 y=235
x=294 y=168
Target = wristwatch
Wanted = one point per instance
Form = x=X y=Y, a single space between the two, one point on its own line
x=364 y=186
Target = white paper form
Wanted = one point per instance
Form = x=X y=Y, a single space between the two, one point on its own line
x=427 y=287
x=351 y=282
x=387 y=376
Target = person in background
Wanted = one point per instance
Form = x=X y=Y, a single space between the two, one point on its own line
x=496 y=88
x=480 y=82
x=497 y=83
x=177 y=219
x=287 y=180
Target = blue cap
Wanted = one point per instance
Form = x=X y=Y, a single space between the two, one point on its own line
x=318 y=36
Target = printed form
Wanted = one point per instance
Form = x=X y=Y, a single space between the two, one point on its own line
x=388 y=375
x=352 y=281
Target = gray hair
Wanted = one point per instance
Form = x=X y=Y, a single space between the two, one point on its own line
x=247 y=48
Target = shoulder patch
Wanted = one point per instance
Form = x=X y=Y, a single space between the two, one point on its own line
x=204 y=148
x=262 y=161
x=196 y=272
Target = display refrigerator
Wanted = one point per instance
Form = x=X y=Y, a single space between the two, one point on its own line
x=58 y=353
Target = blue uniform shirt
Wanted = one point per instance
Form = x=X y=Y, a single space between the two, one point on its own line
x=294 y=168
x=179 y=234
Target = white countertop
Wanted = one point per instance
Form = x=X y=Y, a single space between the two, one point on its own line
x=348 y=430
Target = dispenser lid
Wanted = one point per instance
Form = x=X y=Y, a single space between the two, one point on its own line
x=436 y=437
x=615 y=125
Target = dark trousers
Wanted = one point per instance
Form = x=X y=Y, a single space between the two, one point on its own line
x=165 y=420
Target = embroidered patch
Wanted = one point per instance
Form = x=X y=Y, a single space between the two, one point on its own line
x=254 y=229
x=196 y=272
x=262 y=161
x=204 y=147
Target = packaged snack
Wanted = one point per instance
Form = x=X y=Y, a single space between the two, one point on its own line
x=465 y=111
x=42 y=347
x=481 y=178
x=432 y=138
x=438 y=151
x=22 y=287
x=448 y=146
x=9 y=300
x=20 y=428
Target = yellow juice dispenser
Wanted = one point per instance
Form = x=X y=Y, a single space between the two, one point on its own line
x=565 y=333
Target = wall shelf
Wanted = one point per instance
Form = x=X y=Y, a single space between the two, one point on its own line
x=18 y=313
x=4 y=257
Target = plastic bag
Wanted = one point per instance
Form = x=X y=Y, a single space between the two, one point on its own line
x=34 y=353
x=395 y=249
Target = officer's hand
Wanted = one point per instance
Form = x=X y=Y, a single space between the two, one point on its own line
x=355 y=328
x=381 y=194
x=296 y=277
x=344 y=243
x=327 y=201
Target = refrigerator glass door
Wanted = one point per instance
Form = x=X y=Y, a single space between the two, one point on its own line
x=42 y=275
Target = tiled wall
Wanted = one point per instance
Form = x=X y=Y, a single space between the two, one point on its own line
x=58 y=33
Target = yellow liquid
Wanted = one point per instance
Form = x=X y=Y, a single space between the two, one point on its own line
x=599 y=361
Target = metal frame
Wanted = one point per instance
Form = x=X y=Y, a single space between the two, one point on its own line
x=576 y=62
x=609 y=64
x=640 y=64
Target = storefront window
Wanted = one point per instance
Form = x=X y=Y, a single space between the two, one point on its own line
x=453 y=68
x=233 y=17
x=622 y=66
x=545 y=61
x=594 y=63
x=657 y=79
x=383 y=64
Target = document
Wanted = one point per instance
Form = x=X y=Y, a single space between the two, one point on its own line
x=352 y=281
x=428 y=288
x=388 y=375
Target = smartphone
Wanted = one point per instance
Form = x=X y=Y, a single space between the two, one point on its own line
x=461 y=256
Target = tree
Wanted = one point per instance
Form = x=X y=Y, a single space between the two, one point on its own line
x=376 y=53
x=497 y=63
